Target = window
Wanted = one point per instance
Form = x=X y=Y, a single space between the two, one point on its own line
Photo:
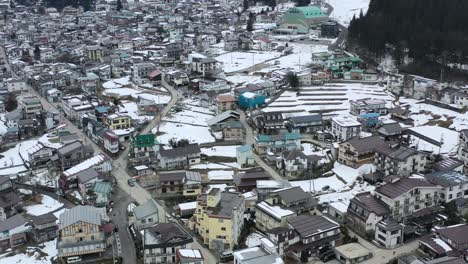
x=223 y=229
x=220 y=220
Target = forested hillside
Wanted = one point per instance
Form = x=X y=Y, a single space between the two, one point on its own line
x=429 y=30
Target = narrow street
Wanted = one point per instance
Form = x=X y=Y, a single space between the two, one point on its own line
x=250 y=140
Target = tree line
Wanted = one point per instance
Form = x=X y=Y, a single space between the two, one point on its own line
x=427 y=31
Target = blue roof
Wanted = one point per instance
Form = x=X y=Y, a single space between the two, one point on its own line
x=244 y=148
x=284 y=136
x=102 y=109
x=370 y=115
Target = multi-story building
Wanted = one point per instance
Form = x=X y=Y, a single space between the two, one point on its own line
x=402 y=161
x=81 y=231
x=454 y=184
x=257 y=255
x=30 y=105
x=118 y=121
x=180 y=183
x=364 y=212
x=144 y=149
x=162 y=241
x=94 y=52
x=219 y=218
x=463 y=146
x=406 y=196
x=140 y=71
x=345 y=127
x=368 y=105
x=358 y=151
x=180 y=157
x=305 y=124
x=277 y=143
x=74 y=153
x=146 y=214
x=225 y=102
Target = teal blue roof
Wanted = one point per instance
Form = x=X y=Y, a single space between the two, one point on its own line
x=102 y=187
x=244 y=148
x=310 y=11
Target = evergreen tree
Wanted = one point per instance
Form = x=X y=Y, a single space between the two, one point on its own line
x=272 y=4
x=37 y=53
x=119 y=5
x=245 y=5
x=293 y=80
x=250 y=22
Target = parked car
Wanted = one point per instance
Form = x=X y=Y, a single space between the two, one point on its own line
x=131 y=182
x=74 y=259
x=226 y=256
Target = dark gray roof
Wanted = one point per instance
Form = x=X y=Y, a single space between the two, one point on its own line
x=70 y=148
x=14 y=115
x=401 y=154
x=180 y=151
x=86 y=175
x=429 y=241
x=390 y=129
x=43 y=219
x=9 y=199
x=292 y=195
x=306 y=119
x=389 y=224
x=456 y=233
x=308 y=225
x=4 y=179
x=166 y=235
x=369 y=202
x=228 y=202
x=368 y=143
x=176 y=176
x=293 y=154
x=12 y=222
x=447 y=178
x=401 y=186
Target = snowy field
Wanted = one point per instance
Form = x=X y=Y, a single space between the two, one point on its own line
x=301 y=56
x=222 y=151
x=190 y=123
x=238 y=61
x=343 y=10
x=3 y=127
x=131 y=109
x=41 y=254
x=48 y=204
x=333 y=98
x=12 y=160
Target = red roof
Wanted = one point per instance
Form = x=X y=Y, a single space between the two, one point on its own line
x=222 y=98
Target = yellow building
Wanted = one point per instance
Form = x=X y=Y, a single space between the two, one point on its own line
x=219 y=218
x=118 y=121
x=94 y=52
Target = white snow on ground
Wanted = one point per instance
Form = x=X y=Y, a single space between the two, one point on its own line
x=418 y=107
x=349 y=174
x=237 y=61
x=301 y=56
x=220 y=175
x=131 y=109
x=446 y=137
x=333 y=98
x=117 y=83
x=12 y=159
x=421 y=119
x=253 y=240
x=311 y=149
x=195 y=134
x=222 y=151
x=121 y=92
x=3 y=127
x=318 y=184
x=343 y=10
x=205 y=166
x=188 y=116
x=346 y=194
x=43 y=178
x=238 y=78
x=49 y=248
x=48 y=204
x=157 y=98
x=460 y=122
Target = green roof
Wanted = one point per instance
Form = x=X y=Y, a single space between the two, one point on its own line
x=146 y=140
x=102 y=187
x=311 y=11
x=279 y=137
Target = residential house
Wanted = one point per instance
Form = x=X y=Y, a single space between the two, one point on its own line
x=225 y=102
x=111 y=142
x=144 y=149
x=217 y=85
x=44 y=227
x=180 y=157
x=357 y=151
x=462 y=146
x=146 y=215
x=364 y=212
x=100 y=163
x=313 y=231
x=391 y=131
x=352 y=253
x=13 y=232
x=305 y=124
x=246 y=181
x=219 y=219
x=118 y=121
x=102 y=191
x=249 y=100
x=294 y=162
x=10 y=202
x=162 y=241
x=345 y=127
x=368 y=105
x=277 y=143
x=389 y=233
x=85 y=180
x=402 y=161
x=81 y=231
x=141 y=70
x=405 y=197
x=30 y=105
x=180 y=183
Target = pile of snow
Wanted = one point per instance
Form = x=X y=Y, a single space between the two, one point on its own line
x=48 y=248
x=117 y=83
x=47 y=205
x=344 y=10
x=3 y=127
x=349 y=174
x=446 y=138
x=238 y=61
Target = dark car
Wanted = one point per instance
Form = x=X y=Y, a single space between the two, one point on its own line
x=131 y=182
x=328 y=257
